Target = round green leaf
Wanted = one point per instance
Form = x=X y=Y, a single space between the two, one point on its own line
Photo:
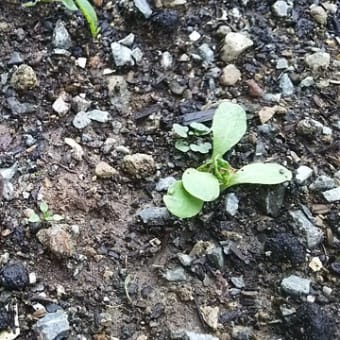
x=201 y=185
x=261 y=173
x=180 y=203
x=182 y=145
x=201 y=147
x=180 y=130
x=199 y=129
x=43 y=207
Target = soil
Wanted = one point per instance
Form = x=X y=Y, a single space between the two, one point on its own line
x=113 y=285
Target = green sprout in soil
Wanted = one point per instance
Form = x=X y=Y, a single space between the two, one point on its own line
x=45 y=215
x=185 y=198
x=84 y=6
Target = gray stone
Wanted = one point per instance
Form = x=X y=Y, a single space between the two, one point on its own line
x=19 y=108
x=185 y=259
x=122 y=55
x=238 y=281
x=215 y=257
x=231 y=203
x=175 y=275
x=281 y=64
x=53 y=326
x=15 y=59
x=128 y=40
x=295 y=285
x=80 y=104
x=144 y=7
x=206 y=53
x=24 y=78
x=105 y=170
x=187 y=335
x=8 y=192
x=164 y=183
x=280 y=8
x=242 y=333
x=166 y=60
x=302 y=174
x=99 y=116
x=154 y=215
x=337 y=175
x=307 y=82
x=286 y=85
x=60 y=106
x=119 y=93
x=234 y=45
x=272 y=97
x=272 y=199
x=332 y=195
x=61 y=38
x=81 y=120
x=318 y=60
x=8 y=173
x=137 y=55
x=323 y=183
x=313 y=234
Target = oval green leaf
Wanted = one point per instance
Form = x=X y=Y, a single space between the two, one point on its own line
x=202 y=185
x=182 y=145
x=261 y=173
x=90 y=15
x=180 y=203
x=228 y=127
x=180 y=130
x=69 y=4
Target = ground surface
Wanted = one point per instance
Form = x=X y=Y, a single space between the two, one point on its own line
x=113 y=285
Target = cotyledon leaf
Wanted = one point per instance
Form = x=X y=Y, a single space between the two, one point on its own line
x=90 y=15
x=261 y=173
x=202 y=185
x=69 y=4
x=228 y=127
x=180 y=203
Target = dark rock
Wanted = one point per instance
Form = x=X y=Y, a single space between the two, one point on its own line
x=166 y=20
x=14 y=276
x=19 y=108
x=5 y=319
x=311 y=322
x=285 y=247
x=335 y=268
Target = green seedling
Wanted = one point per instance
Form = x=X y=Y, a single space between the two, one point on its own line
x=185 y=198
x=84 y=6
x=183 y=133
x=45 y=215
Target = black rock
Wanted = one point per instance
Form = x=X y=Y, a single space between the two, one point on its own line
x=335 y=268
x=5 y=319
x=285 y=247
x=14 y=276
x=311 y=322
x=166 y=20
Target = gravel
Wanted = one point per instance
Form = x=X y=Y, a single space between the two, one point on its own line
x=295 y=285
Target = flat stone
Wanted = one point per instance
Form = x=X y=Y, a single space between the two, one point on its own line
x=60 y=106
x=322 y=183
x=144 y=7
x=154 y=215
x=99 y=116
x=215 y=257
x=18 y=108
x=318 y=60
x=295 y=285
x=53 y=326
x=164 y=183
x=282 y=64
x=104 y=170
x=238 y=281
x=314 y=235
x=185 y=259
x=81 y=120
x=286 y=85
x=231 y=204
x=242 y=333
x=210 y=316
x=128 y=40
x=234 y=45
x=302 y=174
x=122 y=55
x=15 y=59
x=175 y=275
x=167 y=60
x=230 y=75
x=332 y=195
x=206 y=53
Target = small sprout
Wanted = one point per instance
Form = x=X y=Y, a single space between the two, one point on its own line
x=201 y=147
x=46 y=215
x=180 y=130
x=185 y=198
x=84 y=6
x=182 y=145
